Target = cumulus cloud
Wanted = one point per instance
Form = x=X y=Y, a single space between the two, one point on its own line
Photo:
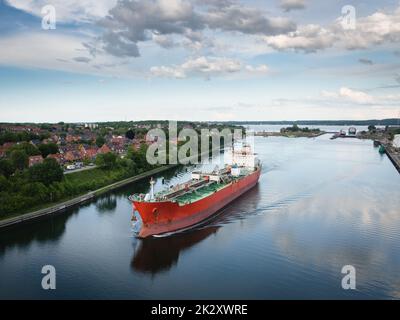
x=289 y=5
x=308 y=38
x=349 y=95
x=131 y=22
x=246 y=20
x=355 y=96
x=376 y=29
x=206 y=67
x=352 y=96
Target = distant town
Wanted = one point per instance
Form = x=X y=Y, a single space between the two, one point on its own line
x=76 y=145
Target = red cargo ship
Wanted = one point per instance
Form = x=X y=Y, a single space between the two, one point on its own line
x=195 y=201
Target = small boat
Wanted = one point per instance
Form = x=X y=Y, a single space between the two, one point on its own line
x=382 y=149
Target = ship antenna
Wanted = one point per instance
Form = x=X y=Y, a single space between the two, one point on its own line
x=152 y=183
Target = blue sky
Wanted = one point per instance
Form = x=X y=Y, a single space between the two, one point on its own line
x=198 y=60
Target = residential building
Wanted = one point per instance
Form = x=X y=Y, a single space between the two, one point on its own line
x=33 y=160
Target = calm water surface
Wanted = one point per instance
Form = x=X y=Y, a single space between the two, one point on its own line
x=319 y=205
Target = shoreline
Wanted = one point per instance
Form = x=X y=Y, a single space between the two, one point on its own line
x=7 y=222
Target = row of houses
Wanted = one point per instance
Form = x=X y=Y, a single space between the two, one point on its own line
x=67 y=156
x=75 y=147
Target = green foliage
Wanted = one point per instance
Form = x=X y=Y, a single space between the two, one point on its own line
x=26 y=147
x=100 y=141
x=47 y=172
x=107 y=160
x=6 y=167
x=49 y=148
x=296 y=128
x=130 y=134
x=139 y=157
x=8 y=136
x=4 y=184
x=19 y=159
x=36 y=189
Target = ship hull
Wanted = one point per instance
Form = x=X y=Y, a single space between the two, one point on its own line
x=165 y=217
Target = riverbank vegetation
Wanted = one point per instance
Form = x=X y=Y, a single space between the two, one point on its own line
x=23 y=188
x=384 y=135
x=295 y=129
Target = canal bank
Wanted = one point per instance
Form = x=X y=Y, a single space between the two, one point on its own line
x=394 y=156
x=81 y=199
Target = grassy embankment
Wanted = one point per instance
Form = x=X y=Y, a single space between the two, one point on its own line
x=94 y=182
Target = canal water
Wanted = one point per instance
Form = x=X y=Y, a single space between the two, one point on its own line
x=319 y=205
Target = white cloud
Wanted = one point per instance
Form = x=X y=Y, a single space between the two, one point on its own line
x=355 y=96
x=308 y=38
x=352 y=96
x=201 y=66
x=258 y=69
x=376 y=29
x=206 y=67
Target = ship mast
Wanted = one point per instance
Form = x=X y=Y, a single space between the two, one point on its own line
x=152 y=183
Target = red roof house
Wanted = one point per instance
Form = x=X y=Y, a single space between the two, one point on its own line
x=104 y=149
x=57 y=156
x=35 y=160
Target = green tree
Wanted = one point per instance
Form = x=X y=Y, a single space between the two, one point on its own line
x=4 y=184
x=107 y=160
x=26 y=147
x=36 y=190
x=19 y=159
x=139 y=157
x=130 y=134
x=100 y=141
x=47 y=172
x=49 y=148
x=371 y=128
x=6 y=168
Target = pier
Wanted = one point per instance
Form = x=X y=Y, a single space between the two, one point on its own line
x=393 y=155
x=391 y=152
